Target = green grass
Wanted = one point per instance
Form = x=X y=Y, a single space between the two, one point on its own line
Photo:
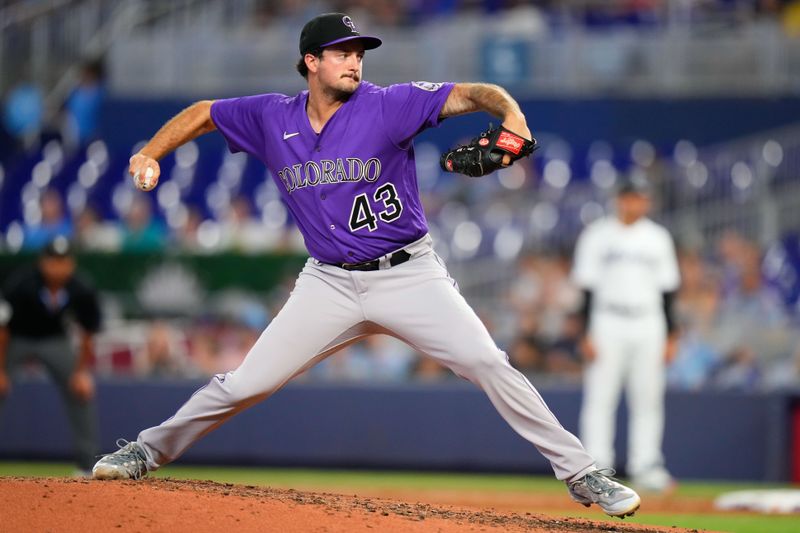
x=734 y=522
x=337 y=479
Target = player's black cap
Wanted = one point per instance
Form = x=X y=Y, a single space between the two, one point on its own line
x=58 y=247
x=634 y=186
x=332 y=28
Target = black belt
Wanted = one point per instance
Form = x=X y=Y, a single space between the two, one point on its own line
x=397 y=258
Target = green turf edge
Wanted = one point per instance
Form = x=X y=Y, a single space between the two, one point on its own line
x=370 y=478
x=733 y=523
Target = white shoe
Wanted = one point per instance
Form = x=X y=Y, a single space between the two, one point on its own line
x=126 y=463
x=614 y=498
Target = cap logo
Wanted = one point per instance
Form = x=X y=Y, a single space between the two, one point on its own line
x=347 y=21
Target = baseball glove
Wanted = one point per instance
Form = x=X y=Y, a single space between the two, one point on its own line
x=485 y=153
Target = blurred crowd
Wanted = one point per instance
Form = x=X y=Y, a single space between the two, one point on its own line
x=592 y=13
x=735 y=330
x=138 y=230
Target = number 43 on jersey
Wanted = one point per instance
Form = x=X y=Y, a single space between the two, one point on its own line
x=362 y=215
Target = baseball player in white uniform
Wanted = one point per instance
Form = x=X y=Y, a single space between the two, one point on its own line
x=627 y=268
x=342 y=156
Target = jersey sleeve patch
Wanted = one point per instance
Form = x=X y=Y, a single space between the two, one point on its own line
x=427 y=85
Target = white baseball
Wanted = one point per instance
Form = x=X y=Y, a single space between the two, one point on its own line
x=146 y=183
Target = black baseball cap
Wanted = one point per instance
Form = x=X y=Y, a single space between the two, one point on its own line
x=332 y=28
x=634 y=186
x=58 y=247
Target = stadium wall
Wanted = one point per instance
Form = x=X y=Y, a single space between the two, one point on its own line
x=580 y=121
x=450 y=426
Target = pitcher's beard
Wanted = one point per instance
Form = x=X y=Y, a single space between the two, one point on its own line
x=339 y=94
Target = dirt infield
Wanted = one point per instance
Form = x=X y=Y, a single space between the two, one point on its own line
x=73 y=505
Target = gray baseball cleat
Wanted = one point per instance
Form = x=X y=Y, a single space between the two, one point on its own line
x=614 y=498
x=126 y=463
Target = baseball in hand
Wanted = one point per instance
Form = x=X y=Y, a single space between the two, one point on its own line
x=146 y=182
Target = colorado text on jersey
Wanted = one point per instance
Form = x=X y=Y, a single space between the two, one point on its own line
x=328 y=171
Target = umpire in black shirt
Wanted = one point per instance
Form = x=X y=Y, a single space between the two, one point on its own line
x=36 y=306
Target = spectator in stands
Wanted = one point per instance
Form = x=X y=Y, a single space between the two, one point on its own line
x=164 y=355
x=93 y=234
x=696 y=310
x=53 y=223
x=140 y=233
x=82 y=108
x=185 y=235
x=241 y=231
x=752 y=328
x=36 y=305
x=526 y=355
x=562 y=358
x=376 y=358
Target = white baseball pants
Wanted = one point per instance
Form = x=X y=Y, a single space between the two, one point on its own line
x=329 y=308
x=629 y=354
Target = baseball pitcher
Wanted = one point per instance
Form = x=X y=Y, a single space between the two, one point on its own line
x=342 y=155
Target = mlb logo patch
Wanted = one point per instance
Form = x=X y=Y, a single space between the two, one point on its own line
x=426 y=85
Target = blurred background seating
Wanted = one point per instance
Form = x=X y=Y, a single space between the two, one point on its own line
x=699 y=97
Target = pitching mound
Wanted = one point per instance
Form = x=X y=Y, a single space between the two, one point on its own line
x=67 y=505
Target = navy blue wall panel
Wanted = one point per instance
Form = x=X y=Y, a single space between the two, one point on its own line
x=579 y=121
x=446 y=426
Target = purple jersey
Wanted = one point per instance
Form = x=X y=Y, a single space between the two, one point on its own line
x=352 y=189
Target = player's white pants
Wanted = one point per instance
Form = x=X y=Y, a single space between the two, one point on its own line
x=329 y=308
x=629 y=354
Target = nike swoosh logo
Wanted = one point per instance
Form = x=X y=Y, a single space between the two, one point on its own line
x=289 y=135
